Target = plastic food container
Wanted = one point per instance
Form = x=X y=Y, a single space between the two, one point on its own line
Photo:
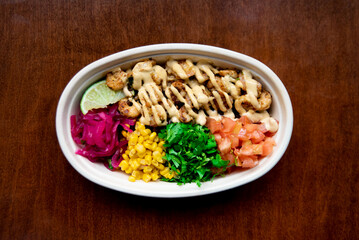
x=69 y=102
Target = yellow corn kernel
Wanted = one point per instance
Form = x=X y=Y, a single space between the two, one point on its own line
x=153 y=147
x=148 y=152
x=161 y=167
x=172 y=174
x=146 y=177
x=147 y=169
x=140 y=139
x=129 y=170
x=156 y=154
x=131 y=147
x=143 y=132
x=133 y=139
x=152 y=136
x=148 y=160
x=160 y=160
x=124 y=133
x=132 y=153
x=124 y=165
x=142 y=161
x=159 y=149
x=141 y=127
x=165 y=171
x=127 y=152
x=137 y=174
x=141 y=155
x=156 y=139
x=168 y=175
x=155 y=163
x=148 y=131
x=154 y=176
x=163 y=154
x=125 y=156
x=161 y=143
x=131 y=179
x=147 y=145
x=134 y=165
x=140 y=148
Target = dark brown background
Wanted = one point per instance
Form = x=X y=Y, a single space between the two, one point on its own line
x=312 y=193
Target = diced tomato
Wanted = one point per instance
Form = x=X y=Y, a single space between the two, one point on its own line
x=246 y=161
x=217 y=137
x=246 y=142
x=242 y=135
x=245 y=120
x=262 y=128
x=250 y=150
x=236 y=151
x=237 y=128
x=257 y=149
x=223 y=134
x=253 y=157
x=267 y=149
x=249 y=163
x=234 y=141
x=238 y=161
x=268 y=146
x=241 y=142
x=251 y=127
x=224 y=146
x=246 y=150
x=213 y=125
x=257 y=137
x=228 y=124
x=270 y=140
x=229 y=157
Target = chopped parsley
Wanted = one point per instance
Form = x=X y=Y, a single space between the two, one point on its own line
x=109 y=161
x=191 y=151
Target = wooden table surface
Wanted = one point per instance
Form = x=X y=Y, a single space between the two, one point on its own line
x=312 y=193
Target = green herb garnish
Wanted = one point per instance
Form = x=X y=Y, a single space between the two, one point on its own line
x=191 y=151
x=110 y=164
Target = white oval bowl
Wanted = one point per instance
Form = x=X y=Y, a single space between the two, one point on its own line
x=96 y=172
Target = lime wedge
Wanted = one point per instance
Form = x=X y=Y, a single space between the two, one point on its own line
x=99 y=95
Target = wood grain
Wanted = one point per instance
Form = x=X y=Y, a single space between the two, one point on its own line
x=312 y=193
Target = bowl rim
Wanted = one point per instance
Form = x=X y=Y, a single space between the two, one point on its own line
x=173 y=48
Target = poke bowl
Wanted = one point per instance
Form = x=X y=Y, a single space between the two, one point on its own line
x=69 y=105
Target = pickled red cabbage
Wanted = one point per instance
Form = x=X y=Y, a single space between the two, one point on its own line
x=98 y=135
